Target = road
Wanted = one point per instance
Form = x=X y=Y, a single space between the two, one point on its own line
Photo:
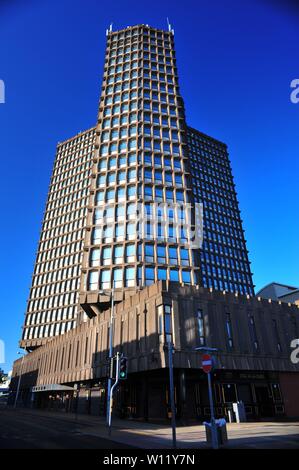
x=37 y=429
x=19 y=430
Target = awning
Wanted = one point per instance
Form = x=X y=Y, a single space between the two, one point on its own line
x=51 y=388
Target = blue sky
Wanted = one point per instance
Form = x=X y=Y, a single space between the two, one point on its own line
x=236 y=61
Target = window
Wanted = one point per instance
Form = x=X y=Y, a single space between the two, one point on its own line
x=149 y=253
x=118 y=254
x=131 y=192
x=131 y=210
x=99 y=197
x=186 y=277
x=121 y=194
x=111 y=179
x=93 y=280
x=103 y=165
x=165 y=323
x=149 y=276
x=117 y=277
x=161 y=252
x=95 y=257
x=229 y=334
x=105 y=279
x=173 y=257
x=252 y=331
x=130 y=253
x=162 y=273
x=96 y=236
x=120 y=212
x=184 y=256
x=131 y=230
x=108 y=233
x=130 y=276
x=106 y=256
x=174 y=275
x=119 y=231
x=201 y=329
x=276 y=334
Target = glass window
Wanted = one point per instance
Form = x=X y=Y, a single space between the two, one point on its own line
x=117 y=277
x=99 y=197
x=121 y=193
x=162 y=274
x=161 y=253
x=149 y=276
x=95 y=257
x=186 y=277
x=130 y=276
x=229 y=334
x=130 y=252
x=131 y=230
x=96 y=236
x=93 y=280
x=111 y=178
x=173 y=256
x=118 y=254
x=105 y=279
x=201 y=329
x=174 y=275
x=119 y=230
x=106 y=255
x=110 y=195
x=120 y=212
x=108 y=233
x=149 y=252
x=131 y=210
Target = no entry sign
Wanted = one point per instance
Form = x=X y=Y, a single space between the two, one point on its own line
x=206 y=363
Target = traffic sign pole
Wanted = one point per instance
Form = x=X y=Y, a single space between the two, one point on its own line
x=213 y=424
x=171 y=390
x=207 y=365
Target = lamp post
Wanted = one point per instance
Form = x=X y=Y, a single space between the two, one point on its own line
x=109 y=384
x=171 y=390
x=20 y=376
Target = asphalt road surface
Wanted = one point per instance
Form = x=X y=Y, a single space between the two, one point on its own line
x=21 y=431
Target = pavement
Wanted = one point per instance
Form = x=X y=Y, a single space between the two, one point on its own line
x=23 y=428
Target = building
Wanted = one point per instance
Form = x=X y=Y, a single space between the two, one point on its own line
x=253 y=360
x=121 y=221
x=53 y=305
x=280 y=292
x=224 y=259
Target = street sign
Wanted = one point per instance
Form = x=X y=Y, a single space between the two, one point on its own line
x=206 y=363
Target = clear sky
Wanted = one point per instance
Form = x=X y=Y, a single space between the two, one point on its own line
x=236 y=61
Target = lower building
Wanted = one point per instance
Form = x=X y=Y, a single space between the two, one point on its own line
x=282 y=292
x=253 y=364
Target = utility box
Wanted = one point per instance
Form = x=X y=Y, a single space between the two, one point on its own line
x=221 y=432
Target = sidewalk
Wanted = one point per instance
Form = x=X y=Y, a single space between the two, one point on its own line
x=155 y=436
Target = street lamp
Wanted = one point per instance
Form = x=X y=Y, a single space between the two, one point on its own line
x=20 y=376
x=109 y=385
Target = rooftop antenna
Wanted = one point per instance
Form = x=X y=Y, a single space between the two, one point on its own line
x=169 y=27
x=109 y=30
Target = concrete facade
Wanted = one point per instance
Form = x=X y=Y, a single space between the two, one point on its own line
x=248 y=366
